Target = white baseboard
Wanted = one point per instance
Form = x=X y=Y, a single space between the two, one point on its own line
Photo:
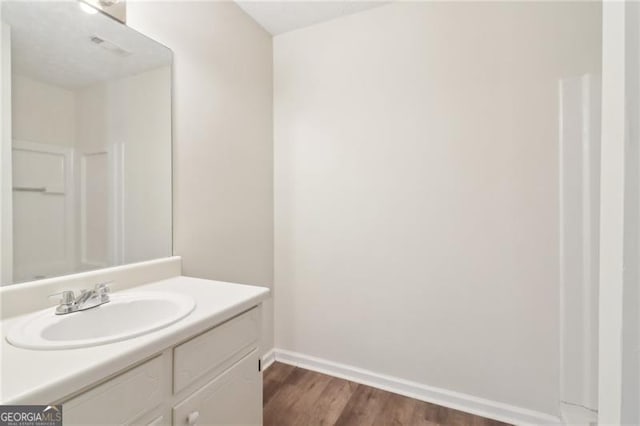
x=577 y=415
x=268 y=359
x=458 y=401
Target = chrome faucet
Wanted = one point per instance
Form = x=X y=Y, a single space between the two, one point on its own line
x=86 y=300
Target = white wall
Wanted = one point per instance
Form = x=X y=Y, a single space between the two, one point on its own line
x=223 y=150
x=42 y=113
x=612 y=210
x=416 y=191
x=6 y=193
x=630 y=409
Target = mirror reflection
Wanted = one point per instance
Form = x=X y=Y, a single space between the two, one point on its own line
x=90 y=142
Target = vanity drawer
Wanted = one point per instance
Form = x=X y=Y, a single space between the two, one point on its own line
x=210 y=350
x=120 y=400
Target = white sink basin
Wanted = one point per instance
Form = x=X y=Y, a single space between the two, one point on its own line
x=127 y=315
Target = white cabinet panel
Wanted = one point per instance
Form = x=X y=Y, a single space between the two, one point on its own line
x=158 y=421
x=234 y=398
x=119 y=401
x=209 y=350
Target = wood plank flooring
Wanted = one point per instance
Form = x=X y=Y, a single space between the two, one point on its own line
x=297 y=397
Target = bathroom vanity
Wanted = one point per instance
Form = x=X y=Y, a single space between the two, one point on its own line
x=86 y=200
x=202 y=369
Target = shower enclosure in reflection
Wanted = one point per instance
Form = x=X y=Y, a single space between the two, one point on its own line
x=90 y=142
x=579 y=218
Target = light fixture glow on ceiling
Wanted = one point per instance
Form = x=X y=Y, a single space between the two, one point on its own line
x=87 y=9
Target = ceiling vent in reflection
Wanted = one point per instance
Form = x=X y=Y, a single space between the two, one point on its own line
x=109 y=46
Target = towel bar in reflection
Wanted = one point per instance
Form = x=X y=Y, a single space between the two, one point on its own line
x=46 y=190
x=30 y=188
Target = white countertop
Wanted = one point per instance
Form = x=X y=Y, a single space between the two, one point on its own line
x=47 y=376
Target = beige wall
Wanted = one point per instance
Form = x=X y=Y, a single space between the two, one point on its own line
x=147 y=159
x=92 y=115
x=416 y=191
x=223 y=150
x=42 y=113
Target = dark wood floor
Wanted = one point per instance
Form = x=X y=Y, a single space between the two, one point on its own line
x=294 y=396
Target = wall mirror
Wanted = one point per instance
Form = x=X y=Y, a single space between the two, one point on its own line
x=86 y=142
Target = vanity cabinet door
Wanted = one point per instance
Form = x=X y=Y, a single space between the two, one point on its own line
x=119 y=401
x=233 y=398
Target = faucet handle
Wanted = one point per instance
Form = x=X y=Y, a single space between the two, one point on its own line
x=67 y=302
x=103 y=287
x=68 y=297
x=103 y=290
